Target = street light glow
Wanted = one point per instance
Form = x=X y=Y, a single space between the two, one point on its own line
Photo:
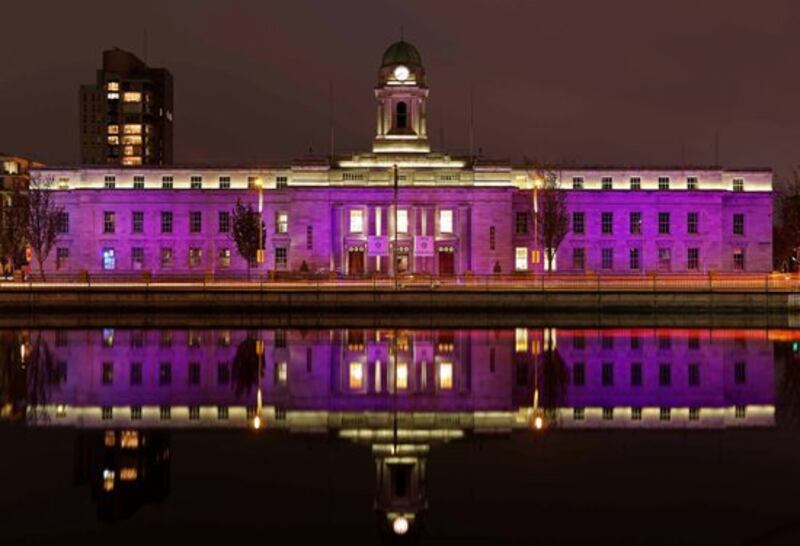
x=400 y=526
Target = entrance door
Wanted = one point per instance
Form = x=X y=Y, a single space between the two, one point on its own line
x=447 y=263
x=355 y=262
x=401 y=263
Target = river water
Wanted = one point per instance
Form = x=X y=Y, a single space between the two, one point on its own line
x=401 y=435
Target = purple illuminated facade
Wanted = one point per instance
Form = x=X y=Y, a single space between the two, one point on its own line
x=481 y=378
x=451 y=215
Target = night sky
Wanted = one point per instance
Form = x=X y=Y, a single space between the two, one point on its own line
x=615 y=82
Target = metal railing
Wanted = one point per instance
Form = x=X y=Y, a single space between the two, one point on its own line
x=556 y=282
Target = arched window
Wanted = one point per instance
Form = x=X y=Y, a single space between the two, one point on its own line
x=401 y=115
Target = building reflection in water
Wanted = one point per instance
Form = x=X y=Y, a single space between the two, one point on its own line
x=402 y=392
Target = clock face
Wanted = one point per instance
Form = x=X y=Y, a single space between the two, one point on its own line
x=401 y=73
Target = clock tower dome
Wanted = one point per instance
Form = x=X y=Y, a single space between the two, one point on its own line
x=402 y=95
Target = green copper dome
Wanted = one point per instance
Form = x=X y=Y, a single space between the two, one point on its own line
x=402 y=53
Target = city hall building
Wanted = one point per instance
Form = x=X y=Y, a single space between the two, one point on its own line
x=447 y=215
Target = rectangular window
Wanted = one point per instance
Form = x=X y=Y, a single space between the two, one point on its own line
x=694 y=375
x=607 y=183
x=402 y=221
x=579 y=374
x=194 y=373
x=108 y=373
x=636 y=414
x=165 y=413
x=166 y=222
x=664 y=414
x=109 y=222
x=110 y=182
x=663 y=183
x=636 y=223
x=166 y=182
x=356 y=221
x=663 y=223
x=166 y=257
x=224 y=182
x=196 y=182
x=446 y=221
x=281 y=257
x=738 y=260
x=195 y=222
x=136 y=373
x=607 y=374
x=224 y=257
x=492 y=238
x=138 y=182
x=521 y=258
x=165 y=373
x=223 y=373
x=636 y=374
x=309 y=237
x=691 y=183
x=281 y=222
x=577 y=182
x=634 y=261
x=636 y=183
x=693 y=259
x=521 y=223
x=607 y=223
x=137 y=257
x=692 y=223
x=607 y=258
x=740 y=373
x=62 y=222
x=224 y=221
x=578 y=222
x=109 y=259
x=664 y=259
x=738 y=224
x=281 y=182
x=137 y=221
x=664 y=375
x=195 y=256
x=608 y=414
x=579 y=258
x=194 y=413
x=62 y=258
x=738 y=184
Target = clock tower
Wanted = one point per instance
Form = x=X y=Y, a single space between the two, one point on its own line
x=402 y=95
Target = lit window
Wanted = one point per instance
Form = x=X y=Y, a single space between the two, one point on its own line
x=356 y=221
x=521 y=340
x=282 y=222
x=110 y=438
x=113 y=129
x=356 y=376
x=128 y=474
x=446 y=221
x=195 y=256
x=132 y=129
x=132 y=139
x=281 y=373
x=445 y=376
x=113 y=95
x=108 y=480
x=132 y=96
x=225 y=257
x=129 y=439
x=109 y=259
x=113 y=140
x=402 y=221
x=521 y=258
x=402 y=375
x=112 y=86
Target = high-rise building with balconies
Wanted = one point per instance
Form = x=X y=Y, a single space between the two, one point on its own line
x=126 y=116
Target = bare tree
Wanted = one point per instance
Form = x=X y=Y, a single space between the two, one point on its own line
x=551 y=216
x=13 y=218
x=786 y=229
x=41 y=222
x=247 y=233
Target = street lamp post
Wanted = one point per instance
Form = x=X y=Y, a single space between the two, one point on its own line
x=260 y=252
